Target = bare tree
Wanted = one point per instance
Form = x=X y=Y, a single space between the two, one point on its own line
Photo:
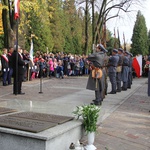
x=105 y=9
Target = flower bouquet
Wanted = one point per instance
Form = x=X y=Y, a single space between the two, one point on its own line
x=89 y=114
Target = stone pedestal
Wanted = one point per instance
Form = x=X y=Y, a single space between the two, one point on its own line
x=55 y=138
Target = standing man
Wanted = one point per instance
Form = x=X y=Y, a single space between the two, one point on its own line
x=19 y=73
x=10 y=72
x=119 y=69
x=130 y=71
x=96 y=77
x=112 y=64
x=5 y=66
x=125 y=71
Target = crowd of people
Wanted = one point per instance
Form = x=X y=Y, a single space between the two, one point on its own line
x=99 y=66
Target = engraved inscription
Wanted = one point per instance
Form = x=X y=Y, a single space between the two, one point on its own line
x=4 y=110
x=25 y=124
x=43 y=117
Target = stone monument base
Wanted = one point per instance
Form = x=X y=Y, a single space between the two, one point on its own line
x=56 y=138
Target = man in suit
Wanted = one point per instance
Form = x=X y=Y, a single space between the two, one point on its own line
x=5 y=66
x=97 y=83
x=18 y=71
x=112 y=64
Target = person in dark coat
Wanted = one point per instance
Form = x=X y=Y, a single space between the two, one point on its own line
x=148 y=62
x=10 y=72
x=112 y=64
x=94 y=83
x=17 y=88
x=5 y=66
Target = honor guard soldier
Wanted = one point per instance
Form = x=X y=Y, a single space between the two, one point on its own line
x=119 y=69
x=112 y=64
x=96 y=77
x=125 y=71
x=130 y=71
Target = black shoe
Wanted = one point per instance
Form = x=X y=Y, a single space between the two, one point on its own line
x=129 y=87
x=112 y=92
x=97 y=103
x=118 y=90
x=5 y=84
x=123 y=89
x=21 y=93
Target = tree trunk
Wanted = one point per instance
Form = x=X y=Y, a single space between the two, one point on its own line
x=86 y=28
x=93 y=22
x=8 y=31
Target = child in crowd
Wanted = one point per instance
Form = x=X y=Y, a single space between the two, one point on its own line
x=59 y=70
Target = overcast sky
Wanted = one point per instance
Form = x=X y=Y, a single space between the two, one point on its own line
x=126 y=22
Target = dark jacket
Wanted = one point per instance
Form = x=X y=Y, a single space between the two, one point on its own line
x=20 y=63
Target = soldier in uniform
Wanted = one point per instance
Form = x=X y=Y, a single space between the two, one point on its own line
x=96 y=83
x=119 y=69
x=112 y=64
x=125 y=71
x=130 y=71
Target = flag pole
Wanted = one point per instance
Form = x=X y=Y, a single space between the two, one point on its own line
x=16 y=15
x=124 y=41
x=16 y=81
x=115 y=38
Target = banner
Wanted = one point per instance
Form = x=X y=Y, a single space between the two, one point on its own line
x=17 y=9
x=31 y=51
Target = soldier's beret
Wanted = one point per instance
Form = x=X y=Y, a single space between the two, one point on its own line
x=115 y=50
x=120 y=49
x=102 y=48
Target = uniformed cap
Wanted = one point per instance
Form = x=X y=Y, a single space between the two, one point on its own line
x=126 y=52
x=115 y=50
x=120 y=49
x=102 y=48
x=131 y=54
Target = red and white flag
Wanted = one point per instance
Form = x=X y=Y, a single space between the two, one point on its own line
x=17 y=8
x=137 y=65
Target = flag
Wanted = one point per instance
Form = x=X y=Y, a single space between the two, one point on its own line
x=17 y=5
x=137 y=65
x=31 y=51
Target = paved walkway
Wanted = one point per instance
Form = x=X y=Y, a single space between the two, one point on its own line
x=124 y=122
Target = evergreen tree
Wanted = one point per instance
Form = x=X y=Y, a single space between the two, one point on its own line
x=139 y=38
x=149 y=41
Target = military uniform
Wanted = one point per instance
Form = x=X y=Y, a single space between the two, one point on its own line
x=130 y=71
x=112 y=64
x=95 y=84
x=119 y=69
x=125 y=71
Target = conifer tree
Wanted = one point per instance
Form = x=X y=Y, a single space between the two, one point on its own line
x=139 y=38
